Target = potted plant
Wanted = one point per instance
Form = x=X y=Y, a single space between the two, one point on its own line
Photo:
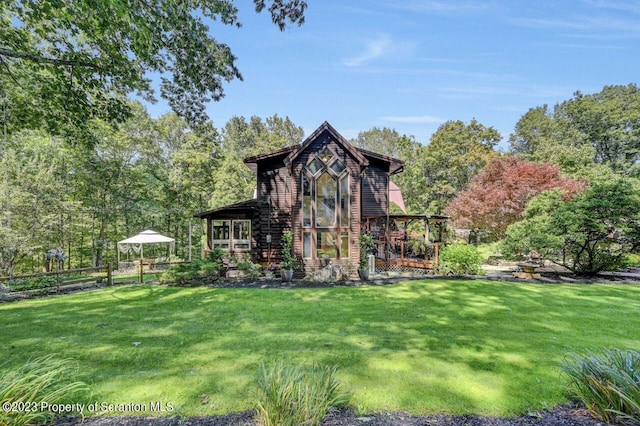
x=366 y=247
x=286 y=266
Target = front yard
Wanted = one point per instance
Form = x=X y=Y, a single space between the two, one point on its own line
x=426 y=346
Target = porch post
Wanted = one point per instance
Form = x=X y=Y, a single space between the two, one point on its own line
x=387 y=247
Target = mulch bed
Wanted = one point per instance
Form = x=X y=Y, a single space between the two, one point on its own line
x=560 y=416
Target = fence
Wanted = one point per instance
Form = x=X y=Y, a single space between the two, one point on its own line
x=54 y=282
x=145 y=267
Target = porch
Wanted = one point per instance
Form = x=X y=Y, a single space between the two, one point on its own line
x=407 y=243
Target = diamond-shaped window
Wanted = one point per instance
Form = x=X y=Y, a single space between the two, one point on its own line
x=325 y=154
x=338 y=167
x=314 y=166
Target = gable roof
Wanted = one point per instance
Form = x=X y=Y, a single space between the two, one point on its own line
x=289 y=154
x=355 y=153
x=252 y=162
x=239 y=207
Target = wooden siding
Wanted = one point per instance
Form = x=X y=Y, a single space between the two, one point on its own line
x=353 y=168
x=274 y=193
x=375 y=193
x=278 y=207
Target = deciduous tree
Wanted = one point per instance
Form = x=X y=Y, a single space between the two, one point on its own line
x=63 y=63
x=587 y=234
x=601 y=128
x=456 y=153
x=34 y=198
x=498 y=195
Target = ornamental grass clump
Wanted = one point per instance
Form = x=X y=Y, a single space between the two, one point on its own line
x=27 y=393
x=291 y=395
x=608 y=384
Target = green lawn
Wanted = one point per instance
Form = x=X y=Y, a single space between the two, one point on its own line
x=421 y=346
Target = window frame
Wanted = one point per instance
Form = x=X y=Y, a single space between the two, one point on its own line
x=340 y=227
x=228 y=228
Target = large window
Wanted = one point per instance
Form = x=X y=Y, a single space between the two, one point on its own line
x=231 y=235
x=325 y=207
x=326 y=200
x=220 y=234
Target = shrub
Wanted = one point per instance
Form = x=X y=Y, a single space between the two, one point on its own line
x=367 y=245
x=191 y=273
x=216 y=255
x=293 y=395
x=248 y=267
x=608 y=384
x=287 y=251
x=45 y=379
x=592 y=232
x=460 y=259
x=34 y=283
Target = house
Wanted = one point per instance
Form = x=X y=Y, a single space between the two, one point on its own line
x=325 y=191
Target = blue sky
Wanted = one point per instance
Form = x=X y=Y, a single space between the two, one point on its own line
x=412 y=65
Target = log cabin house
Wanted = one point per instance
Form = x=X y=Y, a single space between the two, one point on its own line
x=326 y=192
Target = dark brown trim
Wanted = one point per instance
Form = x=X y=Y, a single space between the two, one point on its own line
x=234 y=209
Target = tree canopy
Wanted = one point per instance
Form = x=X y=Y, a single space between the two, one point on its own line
x=587 y=234
x=498 y=195
x=63 y=63
x=456 y=153
x=601 y=128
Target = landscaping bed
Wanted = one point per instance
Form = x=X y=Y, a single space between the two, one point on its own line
x=560 y=416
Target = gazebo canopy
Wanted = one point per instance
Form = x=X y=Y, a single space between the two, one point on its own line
x=145 y=237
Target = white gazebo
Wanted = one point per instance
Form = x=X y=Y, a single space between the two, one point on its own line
x=136 y=242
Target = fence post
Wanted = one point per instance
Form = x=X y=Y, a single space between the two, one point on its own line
x=109 y=274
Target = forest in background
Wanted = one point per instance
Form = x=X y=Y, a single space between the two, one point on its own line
x=85 y=192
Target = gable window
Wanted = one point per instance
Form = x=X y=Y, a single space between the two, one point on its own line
x=325 y=207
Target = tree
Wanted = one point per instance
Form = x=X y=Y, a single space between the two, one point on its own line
x=456 y=153
x=587 y=234
x=535 y=127
x=63 y=63
x=118 y=179
x=34 y=198
x=385 y=141
x=194 y=156
x=498 y=195
x=241 y=138
x=602 y=128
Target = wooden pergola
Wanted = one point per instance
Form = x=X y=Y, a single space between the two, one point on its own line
x=393 y=240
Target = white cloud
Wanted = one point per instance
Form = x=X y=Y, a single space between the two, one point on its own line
x=374 y=49
x=382 y=46
x=414 y=119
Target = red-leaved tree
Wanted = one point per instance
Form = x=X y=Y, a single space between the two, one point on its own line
x=498 y=195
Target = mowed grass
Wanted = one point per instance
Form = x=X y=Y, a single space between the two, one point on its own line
x=421 y=346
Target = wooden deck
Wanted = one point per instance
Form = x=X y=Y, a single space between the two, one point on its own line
x=406 y=262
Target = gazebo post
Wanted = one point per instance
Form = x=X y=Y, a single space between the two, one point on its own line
x=141 y=264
